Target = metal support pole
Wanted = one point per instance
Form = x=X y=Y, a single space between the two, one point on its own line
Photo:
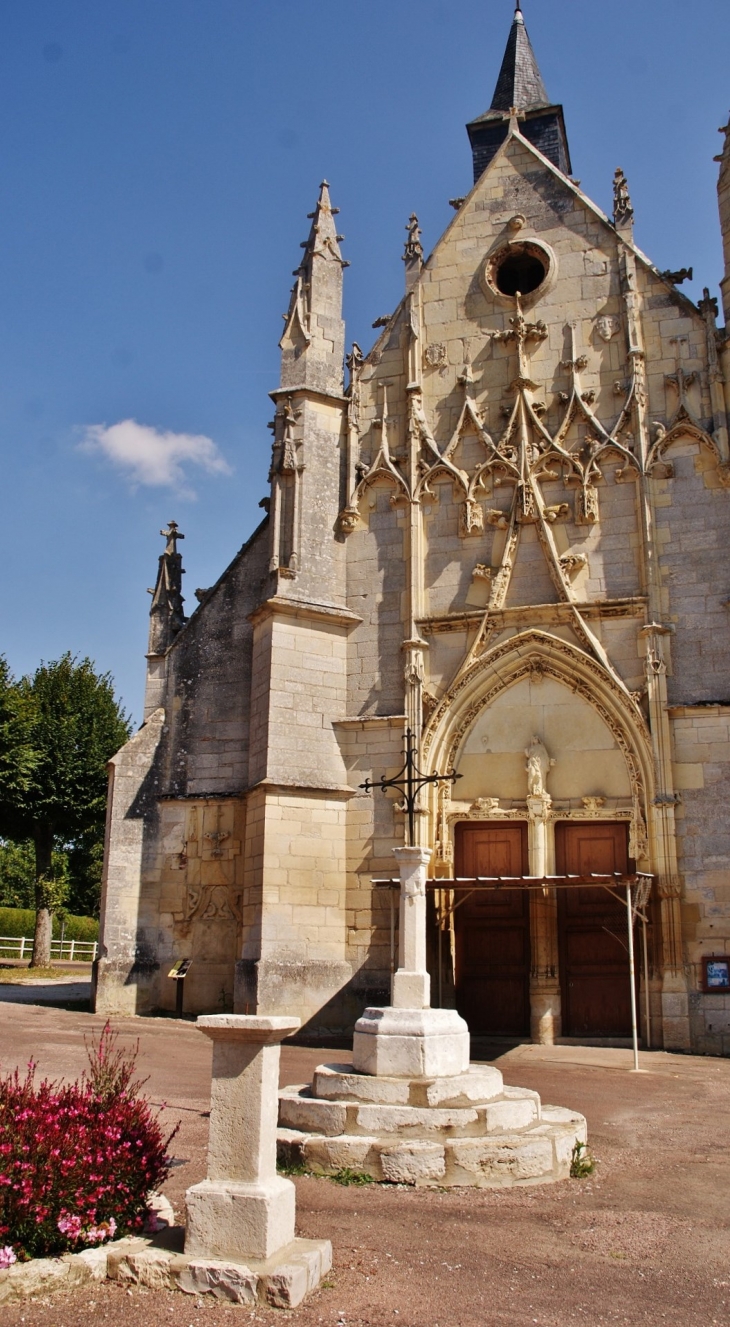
x=179 y=992
x=391 y=895
x=647 y=999
x=632 y=977
x=439 y=923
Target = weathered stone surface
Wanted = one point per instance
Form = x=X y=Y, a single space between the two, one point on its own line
x=561 y=1115
x=564 y=1143
x=413 y=1162
x=25 y=1280
x=282 y=1280
x=411 y=1043
x=225 y=1280
x=94 y=1261
x=333 y=1154
x=414 y=1121
x=500 y=1162
x=159 y=1213
x=235 y=1221
x=340 y=1083
x=120 y=1249
x=146 y=1267
x=299 y=1110
x=287 y=1287
x=478 y=1085
x=243 y=1209
x=510 y=1115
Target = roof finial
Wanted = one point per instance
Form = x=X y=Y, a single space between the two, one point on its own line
x=623 y=212
x=413 y=246
x=171 y=534
x=519 y=16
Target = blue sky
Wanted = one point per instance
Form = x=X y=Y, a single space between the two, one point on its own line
x=157 y=161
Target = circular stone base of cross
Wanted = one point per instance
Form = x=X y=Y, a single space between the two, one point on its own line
x=465 y=1130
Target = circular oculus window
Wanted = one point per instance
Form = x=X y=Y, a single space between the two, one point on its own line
x=521 y=267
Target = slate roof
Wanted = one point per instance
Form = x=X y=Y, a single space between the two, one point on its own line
x=520 y=81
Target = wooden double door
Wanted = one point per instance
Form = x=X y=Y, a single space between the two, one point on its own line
x=492 y=932
x=593 y=932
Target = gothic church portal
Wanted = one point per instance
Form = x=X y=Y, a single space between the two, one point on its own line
x=507 y=531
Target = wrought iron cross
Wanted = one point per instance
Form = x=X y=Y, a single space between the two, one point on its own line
x=410 y=781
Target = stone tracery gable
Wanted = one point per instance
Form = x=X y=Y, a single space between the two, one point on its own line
x=516 y=659
x=684 y=426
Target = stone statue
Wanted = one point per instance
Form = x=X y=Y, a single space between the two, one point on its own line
x=538 y=766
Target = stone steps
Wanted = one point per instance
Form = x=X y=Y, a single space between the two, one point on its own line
x=469 y=1129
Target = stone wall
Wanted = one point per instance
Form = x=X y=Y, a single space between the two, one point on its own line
x=702 y=773
x=208 y=696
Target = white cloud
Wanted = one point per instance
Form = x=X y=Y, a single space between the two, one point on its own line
x=154 y=457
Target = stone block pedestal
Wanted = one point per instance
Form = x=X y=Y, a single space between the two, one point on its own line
x=227 y=1219
x=244 y=1212
x=411 y=1043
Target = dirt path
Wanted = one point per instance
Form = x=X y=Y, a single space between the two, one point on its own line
x=643 y=1241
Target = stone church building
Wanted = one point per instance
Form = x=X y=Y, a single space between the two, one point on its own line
x=504 y=527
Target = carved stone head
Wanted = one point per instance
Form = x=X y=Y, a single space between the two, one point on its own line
x=607 y=327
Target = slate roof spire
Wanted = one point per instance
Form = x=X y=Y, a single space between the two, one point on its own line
x=520 y=81
x=520 y=89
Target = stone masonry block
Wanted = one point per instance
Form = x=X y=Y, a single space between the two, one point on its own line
x=504 y=1116
x=411 y=1120
x=230 y=1281
x=298 y=1110
x=413 y=1163
x=500 y=1162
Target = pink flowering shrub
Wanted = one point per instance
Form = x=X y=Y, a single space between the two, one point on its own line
x=77 y=1161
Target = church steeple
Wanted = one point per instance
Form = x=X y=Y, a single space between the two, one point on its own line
x=520 y=89
x=520 y=81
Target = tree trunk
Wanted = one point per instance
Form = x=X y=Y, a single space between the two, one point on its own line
x=43 y=839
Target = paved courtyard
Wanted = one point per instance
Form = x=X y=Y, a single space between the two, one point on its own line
x=644 y=1240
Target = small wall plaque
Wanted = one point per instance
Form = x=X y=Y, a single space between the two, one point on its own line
x=180 y=970
x=716 y=974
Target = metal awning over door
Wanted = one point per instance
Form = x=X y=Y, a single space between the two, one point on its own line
x=631 y=889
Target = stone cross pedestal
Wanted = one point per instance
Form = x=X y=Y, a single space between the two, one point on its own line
x=411 y=982
x=410 y=1109
x=409 y=1039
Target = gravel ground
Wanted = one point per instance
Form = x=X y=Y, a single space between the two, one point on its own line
x=643 y=1240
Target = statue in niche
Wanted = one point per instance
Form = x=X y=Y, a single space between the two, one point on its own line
x=539 y=765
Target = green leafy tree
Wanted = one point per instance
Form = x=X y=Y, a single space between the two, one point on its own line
x=17 y=875
x=71 y=724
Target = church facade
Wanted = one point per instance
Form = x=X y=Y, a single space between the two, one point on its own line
x=503 y=529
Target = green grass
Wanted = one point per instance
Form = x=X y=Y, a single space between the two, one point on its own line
x=582 y=1164
x=292 y=1168
x=19 y=976
x=347 y=1176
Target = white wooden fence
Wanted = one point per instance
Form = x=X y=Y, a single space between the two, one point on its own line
x=73 y=951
